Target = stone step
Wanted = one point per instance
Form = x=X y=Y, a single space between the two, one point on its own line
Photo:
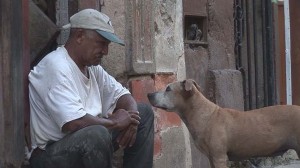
x=294 y=164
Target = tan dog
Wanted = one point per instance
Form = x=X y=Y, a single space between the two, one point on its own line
x=222 y=133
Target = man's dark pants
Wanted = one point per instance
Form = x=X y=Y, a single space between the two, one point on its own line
x=92 y=147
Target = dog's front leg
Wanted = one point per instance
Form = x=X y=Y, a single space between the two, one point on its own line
x=219 y=161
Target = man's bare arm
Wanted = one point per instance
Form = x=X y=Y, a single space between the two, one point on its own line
x=127 y=102
x=119 y=120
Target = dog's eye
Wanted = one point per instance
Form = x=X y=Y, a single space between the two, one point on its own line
x=168 y=89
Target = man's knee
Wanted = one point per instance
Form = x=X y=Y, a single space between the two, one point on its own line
x=95 y=136
x=96 y=146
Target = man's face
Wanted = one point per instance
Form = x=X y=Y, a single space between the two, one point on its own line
x=95 y=47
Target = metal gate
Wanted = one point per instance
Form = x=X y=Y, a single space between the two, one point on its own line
x=254 y=50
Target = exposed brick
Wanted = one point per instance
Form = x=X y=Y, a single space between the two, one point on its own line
x=167 y=119
x=161 y=80
x=140 y=88
x=162 y=121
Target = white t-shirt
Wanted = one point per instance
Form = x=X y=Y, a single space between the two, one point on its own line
x=59 y=92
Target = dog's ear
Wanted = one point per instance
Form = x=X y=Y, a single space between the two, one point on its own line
x=197 y=86
x=188 y=84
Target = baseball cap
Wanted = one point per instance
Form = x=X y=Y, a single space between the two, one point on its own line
x=94 y=20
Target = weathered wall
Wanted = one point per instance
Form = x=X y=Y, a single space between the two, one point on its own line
x=13 y=50
x=169 y=52
x=219 y=53
x=221 y=34
x=226 y=88
x=114 y=62
x=171 y=137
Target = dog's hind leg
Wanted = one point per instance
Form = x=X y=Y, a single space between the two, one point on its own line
x=298 y=153
x=297 y=149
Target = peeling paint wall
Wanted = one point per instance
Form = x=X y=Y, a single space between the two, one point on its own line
x=114 y=62
x=172 y=143
x=168 y=36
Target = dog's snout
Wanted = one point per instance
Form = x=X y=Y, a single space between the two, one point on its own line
x=150 y=95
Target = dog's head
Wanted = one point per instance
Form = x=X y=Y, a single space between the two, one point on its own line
x=175 y=95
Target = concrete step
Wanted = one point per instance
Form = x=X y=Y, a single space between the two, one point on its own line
x=294 y=164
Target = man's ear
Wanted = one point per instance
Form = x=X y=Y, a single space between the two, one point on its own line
x=79 y=36
x=188 y=84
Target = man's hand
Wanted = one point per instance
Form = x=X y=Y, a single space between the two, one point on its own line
x=123 y=119
x=127 y=136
